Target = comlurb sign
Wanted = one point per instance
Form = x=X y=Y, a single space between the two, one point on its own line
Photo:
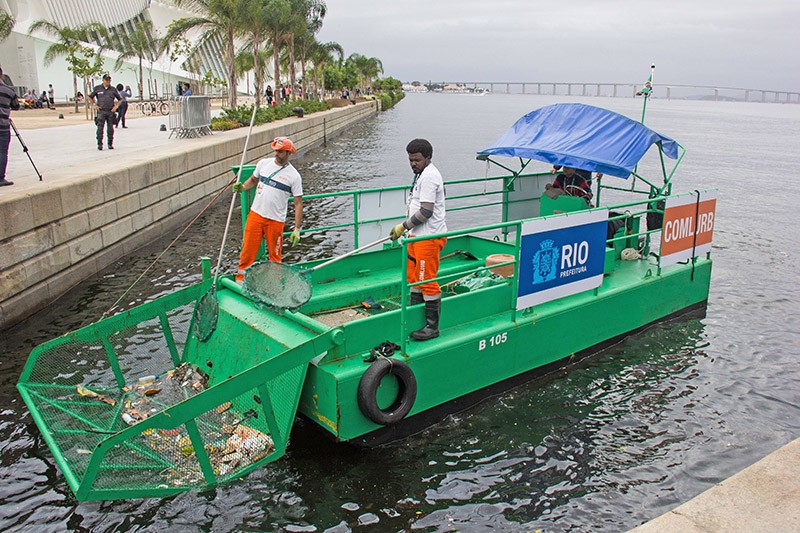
x=560 y=256
x=688 y=226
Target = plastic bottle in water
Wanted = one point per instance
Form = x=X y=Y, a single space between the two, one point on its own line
x=146 y=381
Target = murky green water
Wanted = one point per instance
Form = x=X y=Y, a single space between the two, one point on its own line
x=607 y=444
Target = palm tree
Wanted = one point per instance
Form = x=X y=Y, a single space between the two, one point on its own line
x=368 y=68
x=306 y=17
x=6 y=24
x=244 y=64
x=140 y=44
x=279 y=31
x=321 y=54
x=258 y=14
x=70 y=43
x=219 y=19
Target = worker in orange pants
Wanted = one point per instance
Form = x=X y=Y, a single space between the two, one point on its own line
x=426 y=216
x=276 y=180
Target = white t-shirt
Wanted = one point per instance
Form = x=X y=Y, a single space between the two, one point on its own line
x=272 y=193
x=428 y=188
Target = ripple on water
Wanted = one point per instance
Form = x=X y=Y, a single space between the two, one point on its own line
x=604 y=445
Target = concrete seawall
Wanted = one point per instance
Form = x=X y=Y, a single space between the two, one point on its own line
x=54 y=236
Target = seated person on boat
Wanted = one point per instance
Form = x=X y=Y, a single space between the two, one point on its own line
x=571 y=183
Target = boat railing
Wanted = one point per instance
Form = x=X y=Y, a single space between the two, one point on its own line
x=629 y=235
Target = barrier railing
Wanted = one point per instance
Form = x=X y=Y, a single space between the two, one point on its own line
x=190 y=116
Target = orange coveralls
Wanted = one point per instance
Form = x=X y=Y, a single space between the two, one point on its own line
x=256 y=228
x=423 y=263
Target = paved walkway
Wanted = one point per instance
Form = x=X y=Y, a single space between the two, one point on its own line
x=763 y=497
x=64 y=152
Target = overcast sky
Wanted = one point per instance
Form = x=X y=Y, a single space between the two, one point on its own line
x=732 y=43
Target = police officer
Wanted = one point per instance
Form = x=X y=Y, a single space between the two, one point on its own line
x=8 y=101
x=106 y=99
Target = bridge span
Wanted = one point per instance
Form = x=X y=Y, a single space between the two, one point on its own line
x=668 y=91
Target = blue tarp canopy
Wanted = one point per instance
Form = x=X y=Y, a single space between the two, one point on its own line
x=581 y=136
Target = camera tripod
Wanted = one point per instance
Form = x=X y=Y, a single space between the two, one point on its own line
x=25 y=149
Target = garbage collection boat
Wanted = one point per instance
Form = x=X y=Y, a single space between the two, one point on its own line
x=160 y=399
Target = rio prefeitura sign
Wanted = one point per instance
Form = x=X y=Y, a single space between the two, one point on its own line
x=560 y=256
x=688 y=226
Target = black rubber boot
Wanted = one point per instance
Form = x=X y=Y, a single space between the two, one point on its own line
x=433 y=309
x=99 y=146
x=416 y=298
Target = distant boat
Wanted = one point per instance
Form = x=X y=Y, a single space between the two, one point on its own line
x=461 y=89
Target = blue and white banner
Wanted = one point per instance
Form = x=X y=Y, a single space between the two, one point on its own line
x=561 y=255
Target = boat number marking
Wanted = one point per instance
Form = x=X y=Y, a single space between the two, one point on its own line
x=496 y=340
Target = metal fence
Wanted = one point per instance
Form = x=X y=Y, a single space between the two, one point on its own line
x=190 y=116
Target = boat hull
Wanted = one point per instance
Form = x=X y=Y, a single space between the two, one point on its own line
x=479 y=349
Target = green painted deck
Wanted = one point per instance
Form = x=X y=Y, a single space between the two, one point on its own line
x=480 y=343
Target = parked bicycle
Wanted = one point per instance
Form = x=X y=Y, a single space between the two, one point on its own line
x=152 y=107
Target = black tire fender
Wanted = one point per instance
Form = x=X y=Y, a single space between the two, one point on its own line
x=368 y=390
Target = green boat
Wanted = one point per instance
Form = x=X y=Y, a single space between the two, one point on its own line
x=166 y=397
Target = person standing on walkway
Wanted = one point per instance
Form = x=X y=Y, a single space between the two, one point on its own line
x=123 y=105
x=106 y=99
x=276 y=180
x=268 y=94
x=8 y=101
x=426 y=216
x=51 y=97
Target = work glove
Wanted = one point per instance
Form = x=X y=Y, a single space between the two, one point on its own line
x=294 y=237
x=397 y=232
x=238 y=187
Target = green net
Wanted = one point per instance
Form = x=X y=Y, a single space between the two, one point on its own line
x=205 y=316
x=475 y=281
x=134 y=406
x=278 y=285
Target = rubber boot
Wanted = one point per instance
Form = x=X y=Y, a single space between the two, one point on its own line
x=433 y=309
x=416 y=298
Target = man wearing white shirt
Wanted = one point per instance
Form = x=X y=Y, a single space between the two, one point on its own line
x=276 y=180
x=426 y=216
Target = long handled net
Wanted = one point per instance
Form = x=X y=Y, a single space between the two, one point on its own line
x=278 y=285
x=285 y=286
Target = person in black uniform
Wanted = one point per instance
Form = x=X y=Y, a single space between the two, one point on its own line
x=8 y=102
x=106 y=100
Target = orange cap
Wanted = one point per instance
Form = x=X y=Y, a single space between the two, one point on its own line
x=283 y=143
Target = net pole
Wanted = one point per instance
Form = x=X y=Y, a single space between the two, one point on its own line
x=233 y=199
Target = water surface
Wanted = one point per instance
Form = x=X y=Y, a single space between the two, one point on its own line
x=607 y=444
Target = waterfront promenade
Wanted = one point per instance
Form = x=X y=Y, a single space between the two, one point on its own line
x=763 y=497
x=64 y=149
x=93 y=207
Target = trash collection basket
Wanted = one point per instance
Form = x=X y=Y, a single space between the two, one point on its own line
x=134 y=406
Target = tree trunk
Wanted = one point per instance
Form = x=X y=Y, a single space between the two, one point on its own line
x=303 y=84
x=86 y=92
x=75 y=91
x=141 y=82
x=291 y=68
x=276 y=63
x=231 y=72
x=258 y=82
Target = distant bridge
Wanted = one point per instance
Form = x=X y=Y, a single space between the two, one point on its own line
x=667 y=91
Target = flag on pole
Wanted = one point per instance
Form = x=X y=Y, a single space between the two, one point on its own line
x=648 y=86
